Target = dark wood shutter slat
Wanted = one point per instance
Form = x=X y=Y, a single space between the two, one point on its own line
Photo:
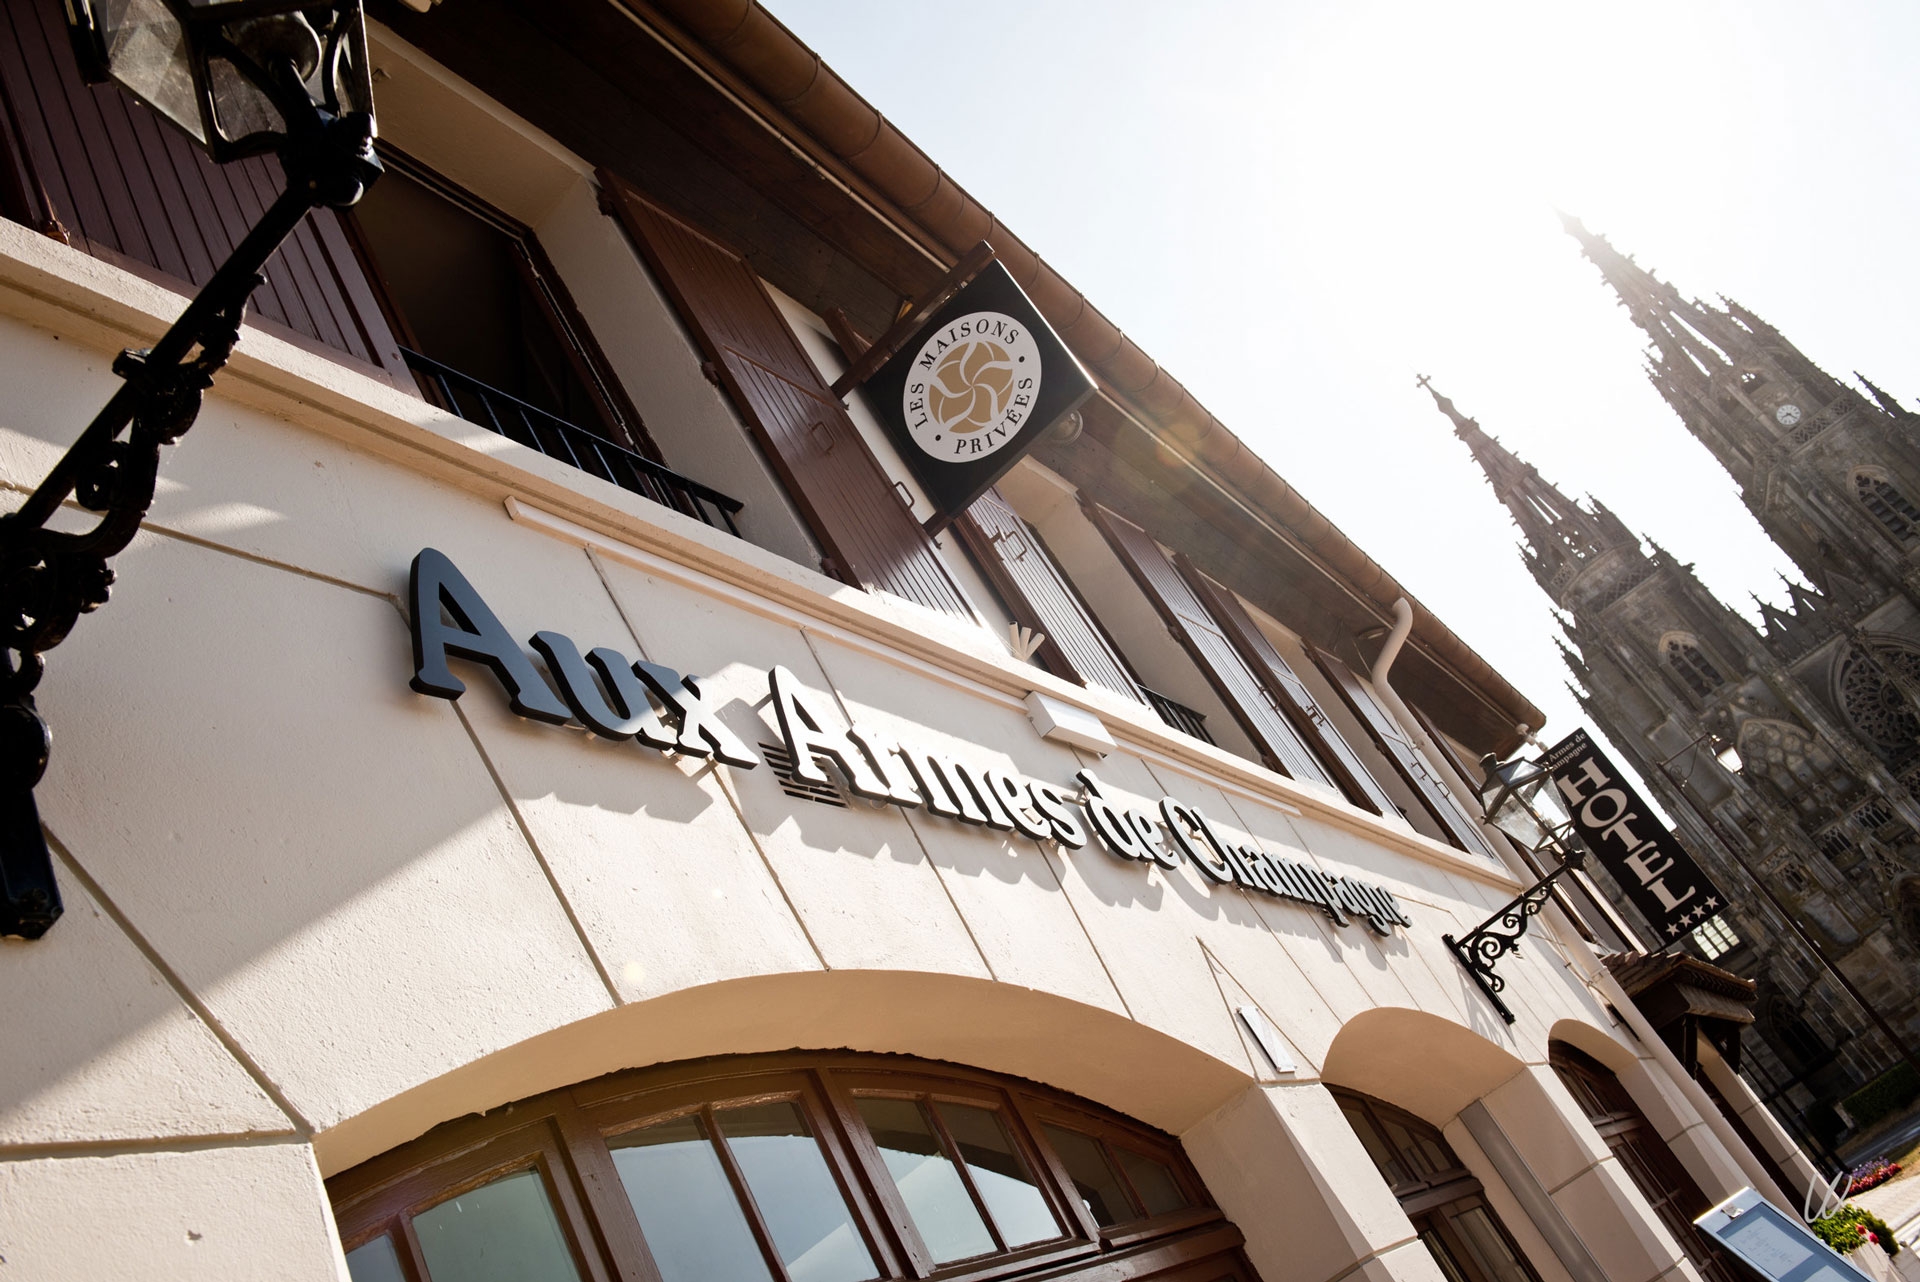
x=1237 y=685
x=1296 y=702
x=828 y=469
x=1022 y=571
x=200 y=255
x=1421 y=775
x=129 y=188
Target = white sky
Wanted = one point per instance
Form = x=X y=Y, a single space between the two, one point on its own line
x=1295 y=207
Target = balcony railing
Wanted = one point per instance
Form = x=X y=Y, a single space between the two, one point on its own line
x=1179 y=715
x=535 y=428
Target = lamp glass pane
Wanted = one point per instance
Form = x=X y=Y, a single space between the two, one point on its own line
x=240 y=109
x=147 y=52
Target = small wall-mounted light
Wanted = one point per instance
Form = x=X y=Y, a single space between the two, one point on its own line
x=1729 y=758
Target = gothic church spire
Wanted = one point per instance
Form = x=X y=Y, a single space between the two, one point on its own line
x=1561 y=536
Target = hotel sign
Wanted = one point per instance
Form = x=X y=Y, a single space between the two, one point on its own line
x=620 y=699
x=1618 y=826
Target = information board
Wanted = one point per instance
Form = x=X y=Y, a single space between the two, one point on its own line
x=1778 y=1246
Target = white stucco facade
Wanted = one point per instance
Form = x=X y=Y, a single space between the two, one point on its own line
x=312 y=914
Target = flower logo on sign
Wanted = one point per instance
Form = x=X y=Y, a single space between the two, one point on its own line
x=971 y=387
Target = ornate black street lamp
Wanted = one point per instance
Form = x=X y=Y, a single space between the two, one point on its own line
x=240 y=77
x=1520 y=800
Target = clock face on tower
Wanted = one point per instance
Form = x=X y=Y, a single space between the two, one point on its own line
x=1787 y=415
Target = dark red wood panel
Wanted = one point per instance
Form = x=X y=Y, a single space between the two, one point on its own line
x=1025 y=574
x=127 y=187
x=828 y=469
x=1237 y=685
x=1421 y=775
x=1343 y=765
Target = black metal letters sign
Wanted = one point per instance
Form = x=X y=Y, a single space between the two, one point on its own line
x=974 y=389
x=618 y=698
x=1657 y=873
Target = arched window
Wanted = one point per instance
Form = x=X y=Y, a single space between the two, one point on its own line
x=1889 y=506
x=1647 y=1160
x=1439 y=1195
x=790 y=1168
x=1692 y=665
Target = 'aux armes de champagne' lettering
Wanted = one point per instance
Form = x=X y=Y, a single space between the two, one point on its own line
x=619 y=698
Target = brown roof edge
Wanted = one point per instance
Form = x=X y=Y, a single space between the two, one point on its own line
x=756 y=47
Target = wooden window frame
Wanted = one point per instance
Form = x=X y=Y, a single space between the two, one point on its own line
x=569 y=1136
x=620 y=419
x=1431 y=1203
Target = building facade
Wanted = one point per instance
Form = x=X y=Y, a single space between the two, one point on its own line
x=538 y=802
x=1809 y=823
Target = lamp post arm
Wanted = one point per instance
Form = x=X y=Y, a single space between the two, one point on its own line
x=213 y=313
x=49 y=578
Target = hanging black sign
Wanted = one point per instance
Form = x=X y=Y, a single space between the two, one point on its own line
x=1618 y=826
x=974 y=388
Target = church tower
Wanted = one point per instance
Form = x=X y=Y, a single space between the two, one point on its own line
x=1814 y=819
x=1831 y=475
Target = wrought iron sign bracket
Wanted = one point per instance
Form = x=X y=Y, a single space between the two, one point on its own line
x=1501 y=933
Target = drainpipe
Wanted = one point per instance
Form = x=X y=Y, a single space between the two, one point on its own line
x=1592 y=972
x=1440 y=761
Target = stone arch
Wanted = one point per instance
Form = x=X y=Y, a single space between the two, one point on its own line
x=1085 y=1050
x=1424 y=1063
x=1803 y=772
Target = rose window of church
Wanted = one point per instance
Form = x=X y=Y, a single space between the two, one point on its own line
x=1871 y=696
x=1888 y=505
x=1692 y=666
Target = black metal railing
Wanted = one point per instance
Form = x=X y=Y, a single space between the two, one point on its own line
x=1178 y=715
x=535 y=428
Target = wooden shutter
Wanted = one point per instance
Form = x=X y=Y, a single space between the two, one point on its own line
x=1027 y=577
x=1425 y=780
x=1296 y=702
x=1237 y=685
x=853 y=508
x=89 y=161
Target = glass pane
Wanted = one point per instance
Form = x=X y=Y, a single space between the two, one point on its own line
x=1437 y=1247
x=1384 y=1158
x=147 y=52
x=811 y=1226
x=692 y=1221
x=1418 y=1151
x=1153 y=1181
x=948 y=1221
x=1012 y=1197
x=500 y=1232
x=375 y=1262
x=1489 y=1246
x=1093 y=1177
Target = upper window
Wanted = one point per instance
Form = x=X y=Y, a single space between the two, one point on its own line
x=492 y=335
x=1691 y=665
x=1895 y=512
x=795 y=1169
